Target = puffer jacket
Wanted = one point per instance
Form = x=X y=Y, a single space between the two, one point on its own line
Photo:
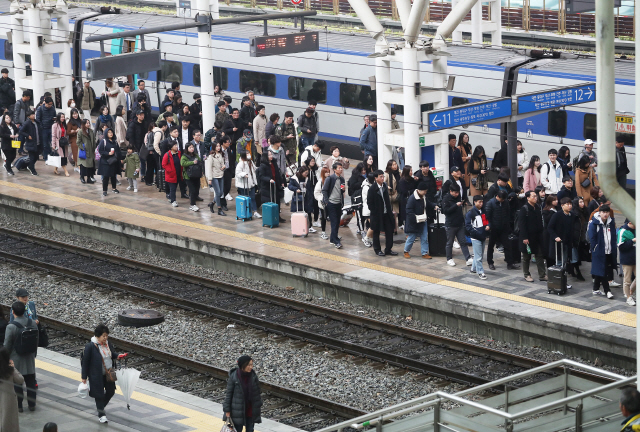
x=45 y=116
x=498 y=215
x=234 y=399
x=596 y=233
x=626 y=245
x=369 y=141
x=246 y=174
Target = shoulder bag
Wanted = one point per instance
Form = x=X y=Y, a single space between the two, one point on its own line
x=586 y=182
x=110 y=373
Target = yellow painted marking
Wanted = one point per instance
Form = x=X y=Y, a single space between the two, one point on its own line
x=199 y=422
x=623 y=318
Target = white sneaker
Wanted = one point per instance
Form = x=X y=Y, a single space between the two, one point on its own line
x=482 y=276
x=470 y=261
x=103 y=419
x=128 y=187
x=631 y=301
x=324 y=236
x=212 y=190
x=317 y=224
x=76 y=169
x=194 y=208
x=614 y=284
x=451 y=262
x=228 y=197
x=175 y=204
x=609 y=295
x=135 y=191
x=311 y=230
x=456 y=245
x=257 y=215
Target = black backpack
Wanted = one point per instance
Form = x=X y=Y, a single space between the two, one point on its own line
x=194 y=171
x=26 y=340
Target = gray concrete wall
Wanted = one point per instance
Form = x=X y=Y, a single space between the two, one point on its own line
x=494 y=318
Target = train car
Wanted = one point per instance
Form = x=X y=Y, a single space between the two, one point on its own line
x=338 y=77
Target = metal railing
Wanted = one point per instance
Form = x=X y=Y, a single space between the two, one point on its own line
x=564 y=402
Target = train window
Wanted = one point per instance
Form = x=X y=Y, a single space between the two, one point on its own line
x=590 y=128
x=306 y=89
x=423 y=108
x=261 y=83
x=557 y=123
x=171 y=71
x=8 y=50
x=220 y=76
x=357 y=96
x=459 y=101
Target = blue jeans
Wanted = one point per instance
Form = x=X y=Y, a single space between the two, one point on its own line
x=46 y=143
x=218 y=187
x=424 y=240
x=251 y=193
x=304 y=142
x=478 y=251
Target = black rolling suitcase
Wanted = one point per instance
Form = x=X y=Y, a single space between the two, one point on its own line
x=557 y=283
x=161 y=182
x=437 y=239
x=515 y=248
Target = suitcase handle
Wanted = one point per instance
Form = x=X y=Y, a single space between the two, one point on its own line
x=295 y=195
x=272 y=185
x=561 y=251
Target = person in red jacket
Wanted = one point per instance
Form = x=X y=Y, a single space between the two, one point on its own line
x=173 y=173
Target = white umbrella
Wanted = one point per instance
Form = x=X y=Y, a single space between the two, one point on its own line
x=127 y=380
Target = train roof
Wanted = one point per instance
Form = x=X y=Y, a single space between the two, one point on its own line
x=582 y=68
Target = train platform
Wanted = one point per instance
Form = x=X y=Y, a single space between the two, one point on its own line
x=503 y=307
x=154 y=408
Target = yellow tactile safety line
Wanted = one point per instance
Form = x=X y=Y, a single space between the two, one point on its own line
x=200 y=422
x=616 y=317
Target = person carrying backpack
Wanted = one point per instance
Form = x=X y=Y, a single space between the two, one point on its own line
x=21 y=340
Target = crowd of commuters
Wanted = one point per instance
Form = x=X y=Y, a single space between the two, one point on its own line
x=556 y=207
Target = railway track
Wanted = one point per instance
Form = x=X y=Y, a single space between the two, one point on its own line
x=281 y=404
x=447 y=359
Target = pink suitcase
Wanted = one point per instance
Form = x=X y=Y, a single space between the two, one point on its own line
x=299 y=221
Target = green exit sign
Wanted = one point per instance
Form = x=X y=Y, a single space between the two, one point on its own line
x=422 y=143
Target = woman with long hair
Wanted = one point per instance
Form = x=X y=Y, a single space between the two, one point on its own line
x=317 y=194
x=246 y=181
x=214 y=172
x=368 y=164
x=192 y=170
x=109 y=165
x=87 y=143
x=121 y=127
x=8 y=133
x=532 y=174
x=406 y=186
x=478 y=168
x=391 y=178
x=105 y=118
x=465 y=150
x=73 y=128
x=313 y=180
x=9 y=376
x=60 y=141
x=111 y=91
x=302 y=194
x=586 y=179
x=522 y=163
x=564 y=158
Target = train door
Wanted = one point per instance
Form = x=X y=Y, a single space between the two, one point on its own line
x=129 y=45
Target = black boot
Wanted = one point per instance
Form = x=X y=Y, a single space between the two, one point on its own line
x=221 y=213
x=210 y=205
x=578 y=274
x=570 y=270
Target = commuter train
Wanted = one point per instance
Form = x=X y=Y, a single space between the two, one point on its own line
x=337 y=76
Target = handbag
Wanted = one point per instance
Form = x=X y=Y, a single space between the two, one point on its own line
x=585 y=183
x=54 y=161
x=82 y=153
x=15 y=144
x=63 y=141
x=43 y=337
x=144 y=152
x=97 y=153
x=421 y=218
x=203 y=183
x=112 y=160
x=110 y=373
x=228 y=426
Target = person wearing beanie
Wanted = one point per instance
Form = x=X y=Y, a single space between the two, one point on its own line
x=243 y=402
x=477 y=225
x=416 y=220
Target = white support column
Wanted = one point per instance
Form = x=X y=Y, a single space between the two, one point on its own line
x=206 y=71
x=440 y=77
x=476 y=24
x=215 y=9
x=17 y=34
x=456 y=35
x=496 y=18
x=37 y=57
x=383 y=84
x=65 y=55
x=410 y=76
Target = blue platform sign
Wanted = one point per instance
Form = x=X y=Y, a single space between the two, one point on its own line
x=461 y=115
x=534 y=102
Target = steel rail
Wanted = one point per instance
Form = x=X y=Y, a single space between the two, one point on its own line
x=303 y=399
x=332 y=343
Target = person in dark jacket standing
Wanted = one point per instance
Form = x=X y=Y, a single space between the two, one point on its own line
x=454 y=224
x=333 y=200
x=309 y=127
x=271 y=187
x=381 y=218
x=109 y=165
x=369 y=140
x=99 y=355
x=416 y=224
x=622 y=168
x=243 y=402
x=477 y=225
x=455 y=156
x=499 y=216
x=530 y=236
x=21 y=108
x=627 y=244
x=567 y=190
x=7 y=90
x=560 y=231
x=8 y=134
x=602 y=237
x=501 y=184
x=456 y=177
x=30 y=136
x=45 y=115
x=136 y=132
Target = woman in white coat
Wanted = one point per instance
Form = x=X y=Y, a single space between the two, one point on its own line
x=317 y=194
x=246 y=181
x=367 y=232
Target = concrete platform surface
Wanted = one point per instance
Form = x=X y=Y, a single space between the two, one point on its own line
x=504 y=306
x=154 y=408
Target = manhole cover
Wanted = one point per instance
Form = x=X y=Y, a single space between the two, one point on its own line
x=139 y=317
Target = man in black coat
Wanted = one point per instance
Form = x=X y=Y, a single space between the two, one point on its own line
x=501 y=184
x=456 y=177
x=30 y=136
x=381 y=218
x=136 y=132
x=560 y=231
x=499 y=218
x=7 y=90
x=566 y=190
x=530 y=235
x=333 y=199
x=454 y=224
x=234 y=127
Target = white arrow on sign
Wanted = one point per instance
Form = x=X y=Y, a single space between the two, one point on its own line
x=590 y=92
x=435 y=121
